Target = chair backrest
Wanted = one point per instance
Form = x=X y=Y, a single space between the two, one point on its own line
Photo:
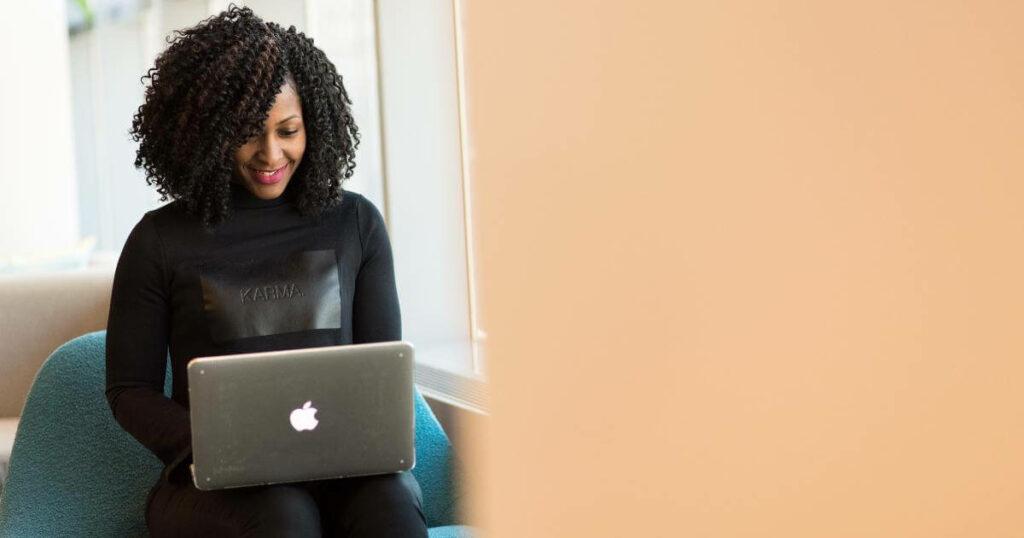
x=82 y=296
x=75 y=471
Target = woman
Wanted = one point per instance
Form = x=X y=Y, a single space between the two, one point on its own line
x=248 y=127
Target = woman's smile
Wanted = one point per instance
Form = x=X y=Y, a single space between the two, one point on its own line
x=268 y=176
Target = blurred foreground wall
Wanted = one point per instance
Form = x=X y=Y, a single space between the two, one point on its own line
x=750 y=268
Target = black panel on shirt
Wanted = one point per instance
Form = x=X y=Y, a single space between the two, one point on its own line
x=271 y=295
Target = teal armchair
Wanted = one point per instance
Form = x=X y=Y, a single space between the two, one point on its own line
x=75 y=472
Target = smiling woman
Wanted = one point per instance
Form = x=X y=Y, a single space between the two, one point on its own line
x=248 y=127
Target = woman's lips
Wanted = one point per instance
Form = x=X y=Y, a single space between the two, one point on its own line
x=268 y=178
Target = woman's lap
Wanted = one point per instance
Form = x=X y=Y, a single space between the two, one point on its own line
x=379 y=505
x=372 y=505
x=183 y=510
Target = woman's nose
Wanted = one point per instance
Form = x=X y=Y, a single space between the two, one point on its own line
x=270 y=149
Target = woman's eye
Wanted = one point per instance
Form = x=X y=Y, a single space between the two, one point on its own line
x=289 y=133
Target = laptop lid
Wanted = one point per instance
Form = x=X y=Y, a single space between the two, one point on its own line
x=304 y=414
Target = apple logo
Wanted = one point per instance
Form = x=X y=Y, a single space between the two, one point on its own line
x=303 y=419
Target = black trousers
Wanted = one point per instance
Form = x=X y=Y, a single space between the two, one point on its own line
x=378 y=506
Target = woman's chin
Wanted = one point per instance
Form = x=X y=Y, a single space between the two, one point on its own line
x=268 y=192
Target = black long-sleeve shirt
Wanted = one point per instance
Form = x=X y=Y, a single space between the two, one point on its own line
x=266 y=279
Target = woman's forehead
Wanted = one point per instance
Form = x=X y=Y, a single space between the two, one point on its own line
x=286 y=103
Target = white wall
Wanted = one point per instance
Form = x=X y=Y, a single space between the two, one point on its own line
x=107 y=63
x=36 y=152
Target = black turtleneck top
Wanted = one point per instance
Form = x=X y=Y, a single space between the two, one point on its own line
x=266 y=279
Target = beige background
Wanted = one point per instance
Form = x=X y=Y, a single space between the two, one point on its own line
x=750 y=268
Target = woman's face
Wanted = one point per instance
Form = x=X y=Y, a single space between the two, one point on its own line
x=265 y=164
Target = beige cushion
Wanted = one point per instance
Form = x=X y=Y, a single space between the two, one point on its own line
x=8 y=426
x=38 y=313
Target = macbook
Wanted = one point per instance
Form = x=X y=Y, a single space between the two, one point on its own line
x=300 y=415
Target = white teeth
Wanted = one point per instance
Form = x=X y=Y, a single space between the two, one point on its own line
x=265 y=172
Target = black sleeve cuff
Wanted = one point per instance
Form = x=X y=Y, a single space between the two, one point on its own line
x=177 y=472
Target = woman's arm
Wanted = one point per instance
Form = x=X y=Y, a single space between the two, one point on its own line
x=136 y=361
x=376 y=315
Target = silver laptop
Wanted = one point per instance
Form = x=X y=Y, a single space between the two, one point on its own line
x=299 y=415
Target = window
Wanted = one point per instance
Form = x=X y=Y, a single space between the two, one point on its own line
x=427 y=188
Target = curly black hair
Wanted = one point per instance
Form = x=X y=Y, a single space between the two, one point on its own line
x=212 y=89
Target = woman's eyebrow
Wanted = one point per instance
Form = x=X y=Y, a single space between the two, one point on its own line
x=288 y=118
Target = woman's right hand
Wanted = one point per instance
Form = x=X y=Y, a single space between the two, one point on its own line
x=181 y=474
